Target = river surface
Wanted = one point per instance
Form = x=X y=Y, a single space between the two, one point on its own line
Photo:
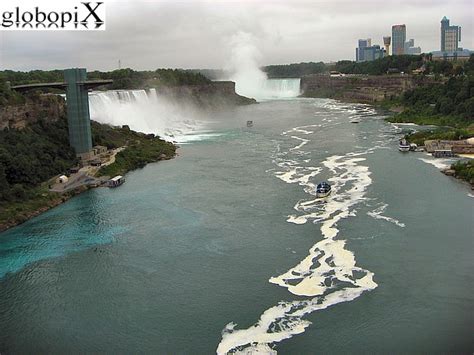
x=225 y=248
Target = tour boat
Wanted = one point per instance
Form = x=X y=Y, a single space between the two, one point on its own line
x=355 y=120
x=116 y=181
x=323 y=189
x=403 y=145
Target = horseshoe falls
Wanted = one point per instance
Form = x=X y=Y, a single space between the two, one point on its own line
x=264 y=89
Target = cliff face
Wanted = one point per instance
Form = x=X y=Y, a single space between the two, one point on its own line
x=45 y=106
x=214 y=94
x=360 y=88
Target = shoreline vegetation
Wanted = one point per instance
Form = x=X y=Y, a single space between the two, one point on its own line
x=444 y=100
x=21 y=198
x=34 y=146
x=38 y=149
x=448 y=105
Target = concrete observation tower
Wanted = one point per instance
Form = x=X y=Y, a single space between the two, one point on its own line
x=77 y=102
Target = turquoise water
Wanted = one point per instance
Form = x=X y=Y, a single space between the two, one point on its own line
x=224 y=248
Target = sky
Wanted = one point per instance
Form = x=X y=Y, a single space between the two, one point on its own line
x=151 y=34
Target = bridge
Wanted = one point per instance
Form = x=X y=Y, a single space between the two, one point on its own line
x=77 y=101
x=89 y=84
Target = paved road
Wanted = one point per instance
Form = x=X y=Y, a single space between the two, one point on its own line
x=75 y=180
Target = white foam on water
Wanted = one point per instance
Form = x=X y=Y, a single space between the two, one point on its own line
x=377 y=214
x=284 y=320
x=439 y=163
x=404 y=124
x=328 y=275
x=303 y=142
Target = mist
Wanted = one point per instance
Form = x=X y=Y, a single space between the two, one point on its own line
x=149 y=112
x=244 y=68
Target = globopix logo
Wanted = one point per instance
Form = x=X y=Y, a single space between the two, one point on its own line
x=83 y=16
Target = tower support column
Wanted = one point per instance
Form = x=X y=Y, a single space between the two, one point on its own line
x=78 y=116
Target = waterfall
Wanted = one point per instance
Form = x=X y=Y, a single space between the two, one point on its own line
x=245 y=70
x=145 y=111
x=263 y=89
x=281 y=88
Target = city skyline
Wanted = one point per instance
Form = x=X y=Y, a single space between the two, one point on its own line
x=196 y=34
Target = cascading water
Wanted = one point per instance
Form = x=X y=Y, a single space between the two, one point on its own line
x=146 y=111
x=263 y=89
x=281 y=88
x=249 y=79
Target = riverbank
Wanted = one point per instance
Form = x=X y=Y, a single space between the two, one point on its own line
x=462 y=170
x=447 y=127
x=43 y=199
x=221 y=209
x=34 y=146
x=141 y=149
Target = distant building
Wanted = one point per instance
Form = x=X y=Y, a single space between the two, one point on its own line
x=373 y=53
x=410 y=48
x=363 y=43
x=460 y=54
x=386 y=42
x=399 y=35
x=365 y=52
x=450 y=36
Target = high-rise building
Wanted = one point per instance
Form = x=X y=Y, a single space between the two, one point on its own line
x=450 y=36
x=410 y=48
x=387 y=41
x=363 y=43
x=373 y=52
x=399 y=35
x=366 y=52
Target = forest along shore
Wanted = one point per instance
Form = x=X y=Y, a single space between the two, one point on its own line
x=34 y=145
x=29 y=164
x=413 y=89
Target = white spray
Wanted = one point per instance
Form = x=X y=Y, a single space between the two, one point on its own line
x=146 y=112
x=249 y=79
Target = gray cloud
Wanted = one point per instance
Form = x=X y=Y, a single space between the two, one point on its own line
x=196 y=34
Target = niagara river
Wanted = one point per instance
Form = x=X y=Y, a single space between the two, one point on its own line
x=227 y=249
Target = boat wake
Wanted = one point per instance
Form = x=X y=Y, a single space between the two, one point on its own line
x=328 y=275
x=377 y=214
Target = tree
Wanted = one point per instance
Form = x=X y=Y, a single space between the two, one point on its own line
x=4 y=185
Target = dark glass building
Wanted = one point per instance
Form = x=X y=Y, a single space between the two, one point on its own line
x=399 y=35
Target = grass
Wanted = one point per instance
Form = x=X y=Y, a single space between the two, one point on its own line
x=137 y=154
x=419 y=138
x=38 y=199
x=140 y=150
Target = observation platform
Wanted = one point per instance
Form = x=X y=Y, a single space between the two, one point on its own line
x=89 y=84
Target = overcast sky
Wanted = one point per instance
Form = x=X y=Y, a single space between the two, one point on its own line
x=197 y=34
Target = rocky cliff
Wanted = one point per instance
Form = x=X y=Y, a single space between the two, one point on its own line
x=360 y=88
x=44 y=106
x=214 y=94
